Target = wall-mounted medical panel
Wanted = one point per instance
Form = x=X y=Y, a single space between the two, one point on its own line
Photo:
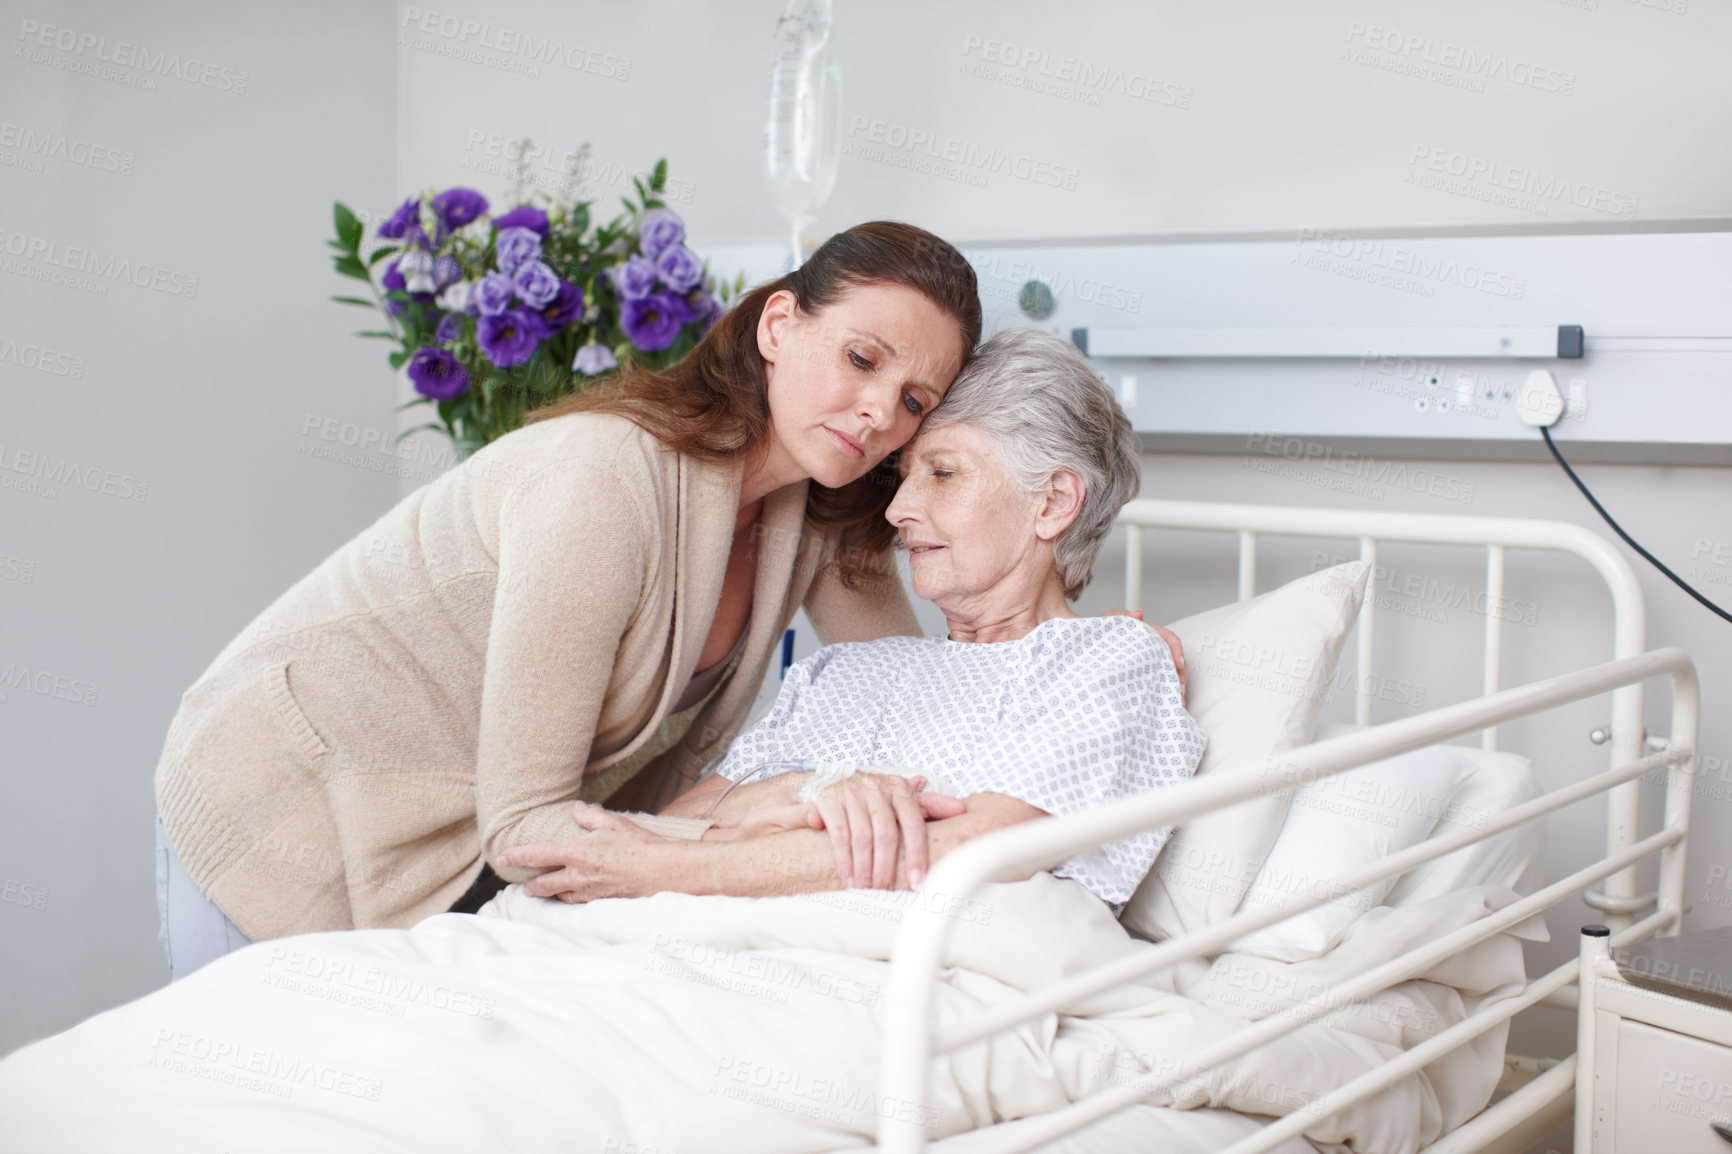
x=1420 y=340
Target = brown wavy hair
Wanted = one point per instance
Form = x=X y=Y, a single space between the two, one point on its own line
x=714 y=404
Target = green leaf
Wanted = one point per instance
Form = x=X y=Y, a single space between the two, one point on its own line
x=380 y=254
x=660 y=176
x=418 y=428
x=379 y=335
x=353 y=301
x=397 y=359
x=352 y=266
x=348 y=228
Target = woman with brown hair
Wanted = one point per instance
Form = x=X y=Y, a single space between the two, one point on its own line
x=584 y=609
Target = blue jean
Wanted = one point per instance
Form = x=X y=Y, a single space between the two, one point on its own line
x=193 y=930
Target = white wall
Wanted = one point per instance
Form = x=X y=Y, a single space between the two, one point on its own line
x=1263 y=115
x=1264 y=121
x=194 y=402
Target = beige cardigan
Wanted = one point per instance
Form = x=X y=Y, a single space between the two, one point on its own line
x=439 y=688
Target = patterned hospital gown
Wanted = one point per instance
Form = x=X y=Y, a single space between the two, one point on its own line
x=1078 y=712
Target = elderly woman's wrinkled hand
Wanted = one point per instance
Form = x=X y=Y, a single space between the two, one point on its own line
x=779 y=819
x=876 y=819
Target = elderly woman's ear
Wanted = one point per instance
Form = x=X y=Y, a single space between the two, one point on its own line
x=1060 y=503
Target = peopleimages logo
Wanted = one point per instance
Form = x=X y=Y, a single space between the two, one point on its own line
x=1520 y=186
x=46 y=683
x=1473 y=63
x=89 y=262
x=40 y=358
x=43 y=144
x=125 y=54
x=1005 y=278
x=44 y=472
x=1068 y=77
x=1400 y=260
x=1379 y=472
x=528 y=47
x=898 y=144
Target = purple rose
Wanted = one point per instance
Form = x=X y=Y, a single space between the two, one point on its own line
x=450 y=328
x=679 y=268
x=458 y=206
x=509 y=338
x=653 y=322
x=534 y=219
x=560 y=311
x=661 y=228
x=407 y=217
x=436 y=374
x=680 y=307
x=706 y=309
x=515 y=248
x=492 y=295
x=635 y=279
x=593 y=359
x=536 y=284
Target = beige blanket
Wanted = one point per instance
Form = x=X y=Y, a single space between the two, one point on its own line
x=684 y=1024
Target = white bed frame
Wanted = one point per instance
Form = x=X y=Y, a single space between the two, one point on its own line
x=1542 y=1100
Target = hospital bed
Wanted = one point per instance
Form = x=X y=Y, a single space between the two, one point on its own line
x=676 y=1023
x=1111 y=1119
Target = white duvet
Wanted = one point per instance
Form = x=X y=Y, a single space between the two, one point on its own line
x=677 y=1024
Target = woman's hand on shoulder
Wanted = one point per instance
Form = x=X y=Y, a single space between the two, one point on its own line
x=1167 y=635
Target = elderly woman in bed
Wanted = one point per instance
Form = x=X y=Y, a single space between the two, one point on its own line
x=1024 y=710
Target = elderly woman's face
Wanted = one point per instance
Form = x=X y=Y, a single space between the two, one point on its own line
x=964 y=520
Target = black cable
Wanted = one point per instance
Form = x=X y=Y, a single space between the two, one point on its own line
x=1628 y=540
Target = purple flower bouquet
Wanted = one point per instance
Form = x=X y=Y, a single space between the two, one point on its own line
x=494 y=317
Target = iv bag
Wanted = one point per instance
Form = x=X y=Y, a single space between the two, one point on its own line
x=803 y=135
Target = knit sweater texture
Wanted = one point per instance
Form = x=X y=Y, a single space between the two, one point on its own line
x=440 y=687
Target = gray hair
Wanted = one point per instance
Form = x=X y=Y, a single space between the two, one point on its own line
x=1038 y=399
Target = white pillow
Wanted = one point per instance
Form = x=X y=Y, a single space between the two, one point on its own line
x=1260 y=671
x=1515 y=858
x=1363 y=815
x=1342 y=823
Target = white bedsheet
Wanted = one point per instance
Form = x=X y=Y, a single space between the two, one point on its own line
x=678 y=1024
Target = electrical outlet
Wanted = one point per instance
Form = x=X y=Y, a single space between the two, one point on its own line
x=1540 y=404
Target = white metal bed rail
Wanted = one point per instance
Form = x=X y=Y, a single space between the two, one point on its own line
x=1619 y=901
x=925 y=930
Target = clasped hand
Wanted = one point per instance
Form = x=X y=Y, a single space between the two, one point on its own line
x=876 y=822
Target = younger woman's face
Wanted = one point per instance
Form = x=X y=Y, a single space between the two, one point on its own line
x=849 y=384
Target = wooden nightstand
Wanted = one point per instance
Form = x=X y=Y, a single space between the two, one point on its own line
x=1653 y=1066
